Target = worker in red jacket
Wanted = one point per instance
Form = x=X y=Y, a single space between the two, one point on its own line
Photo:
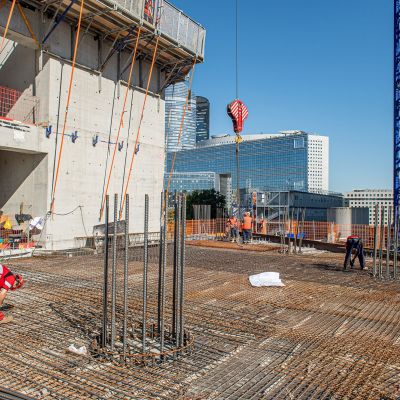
x=354 y=242
x=8 y=281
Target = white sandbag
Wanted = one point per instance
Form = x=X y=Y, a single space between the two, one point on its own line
x=266 y=279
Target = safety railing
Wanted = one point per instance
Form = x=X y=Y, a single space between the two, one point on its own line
x=18 y=106
x=171 y=22
x=327 y=232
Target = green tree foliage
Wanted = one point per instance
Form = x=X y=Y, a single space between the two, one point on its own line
x=204 y=197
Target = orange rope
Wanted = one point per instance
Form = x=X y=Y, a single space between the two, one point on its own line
x=181 y=126
x=8 y=24
x=139 y=126
x=67 y=106
x=121 y=122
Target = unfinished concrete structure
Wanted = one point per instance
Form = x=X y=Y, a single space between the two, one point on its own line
x=35 y=72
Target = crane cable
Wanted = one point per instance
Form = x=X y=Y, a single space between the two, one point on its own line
x=181 y=125
x=8 y=24
x=121 y=122
x=238 y=137
x=67 y=105
x=139 y=126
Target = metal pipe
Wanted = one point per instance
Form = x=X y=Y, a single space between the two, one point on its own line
x=388 y=242
x=381 y=241
x=182 y=273
x=105 y=281
x=374 y=269
x=114 y=273
x=145 y=268
x=126 y=260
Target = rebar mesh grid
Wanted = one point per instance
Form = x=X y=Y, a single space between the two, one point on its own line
x=325 y=335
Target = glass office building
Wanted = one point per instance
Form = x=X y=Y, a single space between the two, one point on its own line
x=202 y=119
x=175 y=99
x=267 y=162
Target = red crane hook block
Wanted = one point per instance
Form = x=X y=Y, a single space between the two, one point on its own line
x=238 y=113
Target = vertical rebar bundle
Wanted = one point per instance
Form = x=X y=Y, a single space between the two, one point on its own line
x=388 y=244
x=143 y=342
x=145 y=269
x=374 y=266
x=182 y=273
x=126 y=260
x=381 y=241
x=114 y=273
x=105 y=281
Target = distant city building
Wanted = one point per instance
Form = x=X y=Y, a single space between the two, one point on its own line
x=202 y=119
x=369 y=198
x=290 y=160
x=175 y=100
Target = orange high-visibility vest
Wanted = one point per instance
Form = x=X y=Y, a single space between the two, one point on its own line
x=233 y=222
x=247 y=221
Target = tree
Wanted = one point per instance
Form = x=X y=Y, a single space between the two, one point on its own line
x=204 y=197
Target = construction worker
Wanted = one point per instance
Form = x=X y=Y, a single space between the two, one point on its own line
x=354 y=242
x=246 y=227
x=8 y=281
x=260 y=225
x=233 y=228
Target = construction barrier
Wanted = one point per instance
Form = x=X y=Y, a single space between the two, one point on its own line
x=18 y=106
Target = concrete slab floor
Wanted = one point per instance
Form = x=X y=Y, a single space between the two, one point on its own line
x=325 y=335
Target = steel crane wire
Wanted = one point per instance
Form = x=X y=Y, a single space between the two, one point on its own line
x=121 y=122
x=67 y=105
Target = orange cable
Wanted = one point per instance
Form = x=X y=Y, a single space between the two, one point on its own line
x=139 y=126
x=67 y=105
x=28 y=25
x=121 y=122
x=181 y=125
x=8 y=24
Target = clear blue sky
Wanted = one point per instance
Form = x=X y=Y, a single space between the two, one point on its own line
x=316 y=65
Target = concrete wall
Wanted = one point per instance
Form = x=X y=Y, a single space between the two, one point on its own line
x=95 y=106
x=23 y=180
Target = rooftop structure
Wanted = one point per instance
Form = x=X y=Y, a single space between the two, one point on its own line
x=370 y=198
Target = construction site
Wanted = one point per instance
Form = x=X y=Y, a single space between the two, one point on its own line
x=122 y=287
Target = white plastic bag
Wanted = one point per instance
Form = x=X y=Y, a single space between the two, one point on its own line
x=266 y=279
x=82 y=351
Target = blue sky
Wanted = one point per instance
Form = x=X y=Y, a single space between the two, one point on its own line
x=315 y=65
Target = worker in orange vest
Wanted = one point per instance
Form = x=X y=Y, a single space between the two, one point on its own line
x=246 y=227
x=233 y=227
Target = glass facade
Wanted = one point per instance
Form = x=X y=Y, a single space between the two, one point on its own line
x=175 y=99
x=202 y=119
x=189 y=181
x=273 y=163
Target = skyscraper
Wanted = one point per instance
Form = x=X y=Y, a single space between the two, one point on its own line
x=202 y=119
x=175 y=100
